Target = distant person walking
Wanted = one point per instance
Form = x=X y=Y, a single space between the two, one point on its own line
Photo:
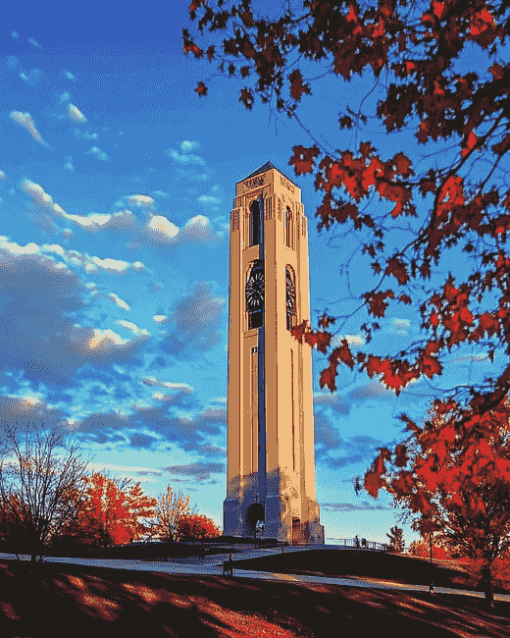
x=356 y=540
x=364 y=543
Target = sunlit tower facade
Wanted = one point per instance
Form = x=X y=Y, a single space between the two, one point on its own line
x=270 y=465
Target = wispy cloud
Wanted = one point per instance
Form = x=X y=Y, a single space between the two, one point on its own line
x=186 y=159
x=199 y=471
x=98 y=154
x=353 y=507
x=34 y=43
x=25 y=120
x=75 y=114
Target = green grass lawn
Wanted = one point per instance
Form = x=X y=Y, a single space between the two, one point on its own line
x=74 y=601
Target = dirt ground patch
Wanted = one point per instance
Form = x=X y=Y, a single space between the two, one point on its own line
x=71 y=600
x=408 y=570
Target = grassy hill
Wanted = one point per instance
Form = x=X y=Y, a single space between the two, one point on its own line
x=71 y=600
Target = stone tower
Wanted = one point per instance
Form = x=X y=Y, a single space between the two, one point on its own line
x=271 y=468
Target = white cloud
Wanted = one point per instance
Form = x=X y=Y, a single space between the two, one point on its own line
x=159 y=193
x=128 y=325
x=98 y=153
x=182 y=387
x=209 y=199
x=352 y=340
x=70 y=76
x=162 y=228
x=75 y=114
x=400 y=326
x=198 y=230
x=2 y=175
x=141 y=201
x=184 y=158
x=69 y=163
x=118 y=301
x=12 y=62
x=34 y=43
x=25 y=120
x=188 y=146
x=15 y=35
x=64 y=97
x=160 y=318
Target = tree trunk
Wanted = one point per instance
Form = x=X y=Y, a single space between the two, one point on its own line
x=487 y=586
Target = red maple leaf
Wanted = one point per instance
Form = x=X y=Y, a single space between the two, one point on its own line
x=297 y=88
x=201 y=89
x=303 y=159
x=398 y=269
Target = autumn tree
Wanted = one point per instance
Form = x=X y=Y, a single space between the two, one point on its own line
x=171 y=506
x=451 y=476
x=197 y=526
x=40 y=478
x=438 y=71
x=115 y=511
x=396 y=538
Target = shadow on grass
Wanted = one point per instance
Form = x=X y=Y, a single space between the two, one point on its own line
x=366 y=564
x=70 y=600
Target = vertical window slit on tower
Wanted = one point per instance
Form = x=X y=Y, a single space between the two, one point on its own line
x=288 y=227
x=254 y=223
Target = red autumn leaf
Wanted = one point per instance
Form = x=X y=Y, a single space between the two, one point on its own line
x=343 y=353
x=303 y=159
x=246 y=97
x=373 y=365
x=401 y=456
x=377 y=302
x=469 y=143
x=325 y=321
x=195 y=4
x=403 y=164
x=299 y=330
x=328 y=376
x=398 y=269
x=430 y=366
x=201 y=89
x=311 y=338
x=191 y=47
x=323 y=341
x=345 y=122
x=497 y=71
x=405 y=299
x=297 y=88
x=502 y=147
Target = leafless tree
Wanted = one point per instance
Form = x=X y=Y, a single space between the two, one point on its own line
x=40 y=487
x=169 y=510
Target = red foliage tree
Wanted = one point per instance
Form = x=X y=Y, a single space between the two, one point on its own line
x=114 y=511
x=459 y=200
x=452 y=476
x=197 y=526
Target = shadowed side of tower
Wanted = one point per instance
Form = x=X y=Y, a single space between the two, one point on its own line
x=270 y=464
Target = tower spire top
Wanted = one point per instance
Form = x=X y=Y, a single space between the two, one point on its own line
x=266 y=167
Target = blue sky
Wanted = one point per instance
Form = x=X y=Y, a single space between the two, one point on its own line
x=116 y=187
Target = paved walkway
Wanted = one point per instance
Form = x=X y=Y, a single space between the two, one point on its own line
x=213 y=566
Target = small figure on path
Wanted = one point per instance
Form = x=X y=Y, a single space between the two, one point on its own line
x=364 y=543
x=228 y=566
x=356 y=539
x=431 y=587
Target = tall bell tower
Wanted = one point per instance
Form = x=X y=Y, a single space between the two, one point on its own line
x=270 y=468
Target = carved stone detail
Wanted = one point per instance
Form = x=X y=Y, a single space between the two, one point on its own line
x=259 y=180
x=285 y=182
